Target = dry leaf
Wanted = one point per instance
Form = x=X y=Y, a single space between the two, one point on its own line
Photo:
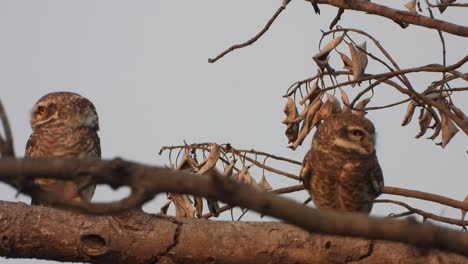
x=424 y=123
x=198 y=205
x=246 y=177
x=323 y=53
x=347 y=62
x=359 y=60
x=310 y=95
x=306 y=125
x=448 y=130
x=442 y=8
x=409 y=113
x=183 y=205
x=212 y=159
x=345 y=100
x=458 y=112
x=411 y=6
x=229 y=168
x=360 y=106
x=331 y=106
x=438 y=128
x=292 y=129
x=322 y=64
x=264 y=184
x=165 y=207
x=213 y=207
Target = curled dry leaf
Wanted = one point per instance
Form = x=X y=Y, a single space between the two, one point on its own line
x=307 y=124
x=424 y=123
x=198 y=205
x=437 y=129
x=331 y=106
x=347 y=62
x=360 y=106
x=409 y=113
x=442 y=8
x=411 y=6
x=345 y=100
x=359 y=60
x=310 y=95
x=183 y=205
x=246 y=177
x=264 y=184
x=323 y=53
x=292 y=128
x=448 y=130
x=458 y=112
x=213 y=158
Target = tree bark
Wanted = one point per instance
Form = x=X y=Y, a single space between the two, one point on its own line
x=137 y=237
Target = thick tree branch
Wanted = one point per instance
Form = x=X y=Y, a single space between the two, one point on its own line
x=148 y=181
x=136 y=237
x=397 y=15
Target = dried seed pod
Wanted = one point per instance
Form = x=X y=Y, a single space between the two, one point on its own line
x=264 y=184
x=310 y=95
x=438 y=128
x=347 y=62
x=409 y=113
x=345 y=100
x=424 y=123
x=411 y=6
x=323 y=53
x=360 y=106
x=292 y=128
x=449 y=130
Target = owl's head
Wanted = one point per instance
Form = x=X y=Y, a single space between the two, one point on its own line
x=350 y=132
x=64 y=109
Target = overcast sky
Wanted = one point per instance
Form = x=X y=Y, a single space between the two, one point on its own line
x=144 y=66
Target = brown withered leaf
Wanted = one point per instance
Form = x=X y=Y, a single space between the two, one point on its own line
x=458 y=112
x=165 y=207
x=411 y=6
x=321 y=63
x=307 y=123
x=360 y=106
x=292 y=128
x=213 y=207
x=347 y=62
x=358 y=59
x=212 y=159
x=229 y=168
x=331 y=106
x=264 y=184
x=409 y=113
x=246 y=177
x=310 y=95
x=345 y=100
x=183 y=206
x=442 y=8
x=198 y=205
x=424 y=123
x=449 y=130
x=323 y=53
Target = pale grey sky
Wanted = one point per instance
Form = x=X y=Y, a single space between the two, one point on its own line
x=144 y=66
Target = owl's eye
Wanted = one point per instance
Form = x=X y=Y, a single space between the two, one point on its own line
x=41 y=110
x=356 y=132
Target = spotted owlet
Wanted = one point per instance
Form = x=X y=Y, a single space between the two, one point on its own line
x=341 y=170
x=63 y=125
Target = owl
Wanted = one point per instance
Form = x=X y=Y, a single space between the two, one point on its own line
x=341 y=170
x=65 y=125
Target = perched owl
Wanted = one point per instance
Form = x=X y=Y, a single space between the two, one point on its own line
x=341 y=170
x=64 y=125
